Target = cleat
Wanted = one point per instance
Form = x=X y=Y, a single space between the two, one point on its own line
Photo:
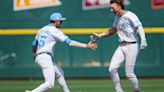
x=136 y=90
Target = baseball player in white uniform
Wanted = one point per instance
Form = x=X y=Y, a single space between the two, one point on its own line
x=126 y=25
x=43 y=48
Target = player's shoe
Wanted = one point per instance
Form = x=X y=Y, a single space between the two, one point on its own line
x=120 y=91
x=136 y=90
x=27 y=91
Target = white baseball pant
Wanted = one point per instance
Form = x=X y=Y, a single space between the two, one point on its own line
x=59 y=77
x=45 y=62
x=127 y=53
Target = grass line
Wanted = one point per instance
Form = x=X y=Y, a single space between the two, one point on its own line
x=148 y=85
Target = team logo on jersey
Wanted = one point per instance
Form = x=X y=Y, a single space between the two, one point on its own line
x=157 y=4
x=96 y=4
x=32 y=4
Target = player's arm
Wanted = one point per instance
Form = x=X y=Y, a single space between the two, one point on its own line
x=109 y=32
x=141 y=32
x=34 y=46
x=81 y=45
x=60 y=36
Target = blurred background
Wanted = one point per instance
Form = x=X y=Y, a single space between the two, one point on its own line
x=21 y=19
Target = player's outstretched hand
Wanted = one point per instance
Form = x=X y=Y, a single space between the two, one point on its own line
x=143 y=44
x=95 y=36
x=91 y=46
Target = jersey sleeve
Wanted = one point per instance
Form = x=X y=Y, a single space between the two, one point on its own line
x=60 y=36
x=37 y=36
x=34 y=43
x=136 y=21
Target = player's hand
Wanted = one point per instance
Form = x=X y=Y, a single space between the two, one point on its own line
x=95 y=36
x=143 y=44
x=91 y=46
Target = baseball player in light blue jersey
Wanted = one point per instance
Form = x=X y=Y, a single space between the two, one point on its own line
x=43 y=48
x=126 y=25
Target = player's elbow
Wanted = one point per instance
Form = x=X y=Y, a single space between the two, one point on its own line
x=68 y=41
x=140 y=28
x=71 y=43
x=34 y=49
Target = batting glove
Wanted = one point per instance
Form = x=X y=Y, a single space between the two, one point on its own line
x=95 y=36
x=143 y=44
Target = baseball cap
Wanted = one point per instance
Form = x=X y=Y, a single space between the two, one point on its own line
x=56 y=16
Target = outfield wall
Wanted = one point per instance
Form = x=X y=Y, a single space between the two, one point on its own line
x=16 y=57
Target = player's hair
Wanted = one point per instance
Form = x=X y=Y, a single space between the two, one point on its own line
x=54 y=21
x=119 y=2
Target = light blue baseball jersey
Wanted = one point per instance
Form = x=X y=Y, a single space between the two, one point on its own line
x=47 y=38
x=126 y=26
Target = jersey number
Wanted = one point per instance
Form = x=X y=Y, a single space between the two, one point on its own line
x=41 y=41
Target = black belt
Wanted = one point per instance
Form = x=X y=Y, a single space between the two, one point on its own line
x=125 y=43
x=44 y=53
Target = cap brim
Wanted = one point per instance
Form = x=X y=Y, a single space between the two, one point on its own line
x=63 y=19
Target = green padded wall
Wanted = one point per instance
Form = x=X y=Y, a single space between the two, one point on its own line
x=77 y=62
x=16 y=58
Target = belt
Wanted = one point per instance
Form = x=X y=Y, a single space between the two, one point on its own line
x=126 y=43
x=44 y=53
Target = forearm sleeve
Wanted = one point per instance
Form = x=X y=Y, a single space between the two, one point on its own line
x=141 y=33
x=77 y=44
x=74 y=43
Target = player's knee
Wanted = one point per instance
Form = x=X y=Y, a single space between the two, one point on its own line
x=112 y=69
x=130 y=75
x=50 y=85
x=57 y=76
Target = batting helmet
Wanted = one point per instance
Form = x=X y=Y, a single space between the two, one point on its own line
x=56 y=16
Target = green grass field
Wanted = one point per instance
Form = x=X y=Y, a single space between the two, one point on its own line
x=86 y=85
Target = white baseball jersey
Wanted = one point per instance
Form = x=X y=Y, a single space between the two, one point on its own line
x=126 y=26
x=47 y=38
